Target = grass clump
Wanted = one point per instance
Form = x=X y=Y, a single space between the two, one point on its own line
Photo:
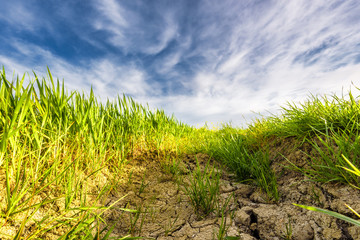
x=203 y=189
x=250 y=164
x=61 y=155
x=316 y=115
x=329 y=124
x=351 y=168
x=326 y=162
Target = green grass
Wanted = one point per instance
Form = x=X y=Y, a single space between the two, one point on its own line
x=57 y=146
x=203 y=189
x=250 y=164
x=224 y=211
x=317 y=114
x=349 y=168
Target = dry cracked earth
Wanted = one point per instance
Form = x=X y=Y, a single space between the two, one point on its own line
x=164 y=210
x=167 y=213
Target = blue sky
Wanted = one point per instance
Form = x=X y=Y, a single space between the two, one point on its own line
x=203 y=61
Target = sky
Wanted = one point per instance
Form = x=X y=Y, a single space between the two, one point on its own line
x=213 y=62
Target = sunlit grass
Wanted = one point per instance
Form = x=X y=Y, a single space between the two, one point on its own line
x=57 y=150
x=356 y=172
x=61 y=153
x=317 y=114
x=203 y=189
x=232 y=148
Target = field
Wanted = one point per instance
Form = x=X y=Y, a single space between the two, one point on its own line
x=72 y=167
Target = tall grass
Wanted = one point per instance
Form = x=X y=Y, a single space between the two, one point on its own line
x=316 y=115
x=326 y=162
x=57 y=148
x=250 y=164
x=330 y=124
x=61 y=153
x=203 y=189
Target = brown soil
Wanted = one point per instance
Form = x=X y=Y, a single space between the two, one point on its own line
x=167 y=212
x=148 y=186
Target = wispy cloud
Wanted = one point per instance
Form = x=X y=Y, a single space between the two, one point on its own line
x=131 y=31
x=277 y=53
x=202 y=60
x=111 y=80
x=17 y=15
x=107 y=78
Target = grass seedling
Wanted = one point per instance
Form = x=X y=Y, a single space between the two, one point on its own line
x=203 y=189
x=134 y=218
x=288 y=230
x=130 y=177
x=331 y=213
x=169 y=227
x=223 y=212
x=263 y=175
x=173 y=167
x=315 y=196
x=143 y=185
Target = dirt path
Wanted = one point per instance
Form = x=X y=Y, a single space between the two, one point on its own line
x=167 y=213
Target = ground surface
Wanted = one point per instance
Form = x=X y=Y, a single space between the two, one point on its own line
x=149 y=185
x=167 y=212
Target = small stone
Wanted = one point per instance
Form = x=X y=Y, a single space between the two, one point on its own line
x=244 y=190
x=302 y=232
x=225 y=187
x=258 y=197
x=354 y=231
x=244 y=236
x=241 y=217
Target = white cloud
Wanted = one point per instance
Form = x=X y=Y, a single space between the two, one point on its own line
x=168 y=34
x=113 y=19
x=232 y=63
x=113 y=12
x=107 y=78
x=17 y=15
x=253 y=68
x=166 y=65
x=254 y=57
x=132 y=33
x=110 y=80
